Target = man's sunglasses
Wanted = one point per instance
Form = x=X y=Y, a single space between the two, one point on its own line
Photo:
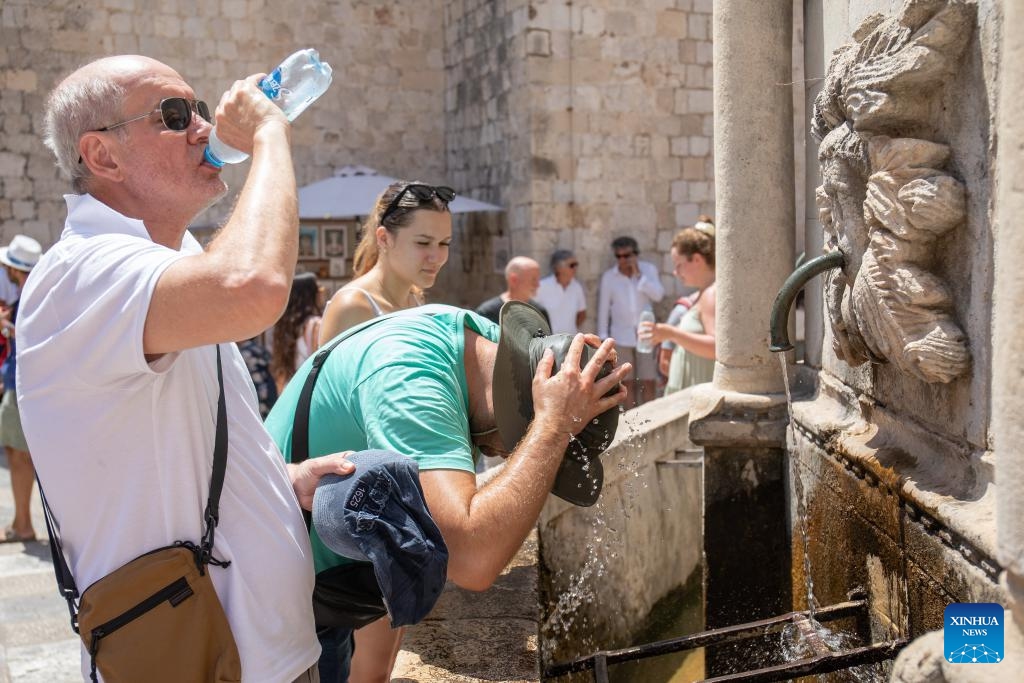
x=422 y=193
x=175 y=112
x=625 y=254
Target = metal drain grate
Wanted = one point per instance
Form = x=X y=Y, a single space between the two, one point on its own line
x=823 y=661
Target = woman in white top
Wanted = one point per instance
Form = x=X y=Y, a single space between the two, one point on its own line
x=404 y=245
x=297 y=332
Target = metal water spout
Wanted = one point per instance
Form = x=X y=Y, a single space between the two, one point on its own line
x=793 y=284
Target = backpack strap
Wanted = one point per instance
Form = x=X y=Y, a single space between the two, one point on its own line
x=300 y=423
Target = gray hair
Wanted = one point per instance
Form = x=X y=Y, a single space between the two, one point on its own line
x=560 y=256
x=75 y=107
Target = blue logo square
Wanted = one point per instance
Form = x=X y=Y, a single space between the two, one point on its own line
x=973 y=633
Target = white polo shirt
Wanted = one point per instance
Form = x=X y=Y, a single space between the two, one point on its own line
x=124 y=448
x=563 y=303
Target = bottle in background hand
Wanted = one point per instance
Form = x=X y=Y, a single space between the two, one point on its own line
x=293 y=86
x=643 y=341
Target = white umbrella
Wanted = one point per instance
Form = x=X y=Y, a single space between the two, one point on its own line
x=352 y=191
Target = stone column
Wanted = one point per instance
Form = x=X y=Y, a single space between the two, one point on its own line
x=741 y=419
x=754 y=184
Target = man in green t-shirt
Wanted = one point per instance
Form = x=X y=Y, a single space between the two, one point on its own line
x=420 y=383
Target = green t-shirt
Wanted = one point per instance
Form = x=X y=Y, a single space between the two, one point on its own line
x=397 y=383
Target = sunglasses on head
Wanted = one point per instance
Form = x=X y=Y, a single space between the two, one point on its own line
x=175 y=112
x=422 y=193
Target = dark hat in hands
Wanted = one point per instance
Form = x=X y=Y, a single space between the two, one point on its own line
x=378 y=514
x=525 y=335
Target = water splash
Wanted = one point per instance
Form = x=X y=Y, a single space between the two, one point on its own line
x=798 y=490
x=796 y=643
x=567 y=621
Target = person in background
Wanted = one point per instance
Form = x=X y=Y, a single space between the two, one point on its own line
x=522 y=278
x=297 y=331
x=403 y=248
x=18 y=259
x=627 y=290
x=683 y=304
x=121 y=326
x=257 y=359
x=693 y=359
x=9 y=293
x=562 y=294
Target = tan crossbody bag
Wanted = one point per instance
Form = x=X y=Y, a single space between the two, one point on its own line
x=158 y=618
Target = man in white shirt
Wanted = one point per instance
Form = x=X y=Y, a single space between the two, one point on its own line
x=562 y=294
x=118 y=337
x=627 y=290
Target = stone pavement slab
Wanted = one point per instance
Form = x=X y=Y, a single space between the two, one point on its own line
x=37 y=644
x=488 y=636
x=471 y=637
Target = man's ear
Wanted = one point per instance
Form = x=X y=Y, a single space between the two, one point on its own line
x=99 y=156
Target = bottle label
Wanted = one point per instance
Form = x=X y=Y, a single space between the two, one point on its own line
x=271 y=85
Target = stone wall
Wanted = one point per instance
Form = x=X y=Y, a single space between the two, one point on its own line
x=384 y=109
x=621 y=128
x=895 y=474
x=487 y=142
x=584 y=121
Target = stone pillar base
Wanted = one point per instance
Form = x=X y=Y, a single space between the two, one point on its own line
x=730 y=419
x=746 y=541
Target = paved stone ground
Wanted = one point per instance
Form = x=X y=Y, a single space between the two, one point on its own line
x=37 y=644
x=469 y=637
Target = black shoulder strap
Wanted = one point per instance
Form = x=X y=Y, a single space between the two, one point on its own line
x=66 y=580
x=220 y=463
x=300 y=423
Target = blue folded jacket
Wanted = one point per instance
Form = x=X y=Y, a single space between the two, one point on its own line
x=378 y=514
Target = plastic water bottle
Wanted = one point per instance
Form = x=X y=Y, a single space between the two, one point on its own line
x=293 y=86
x=643 y=341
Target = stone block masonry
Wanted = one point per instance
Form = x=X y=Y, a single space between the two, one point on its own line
x=383 y=110
x=577 y=118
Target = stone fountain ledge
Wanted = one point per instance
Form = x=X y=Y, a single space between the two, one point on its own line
x=946 y=490
x=609 y=564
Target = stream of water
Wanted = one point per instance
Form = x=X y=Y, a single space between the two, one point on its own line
x=794 y=642
x=567 y=620
x=798 y=493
